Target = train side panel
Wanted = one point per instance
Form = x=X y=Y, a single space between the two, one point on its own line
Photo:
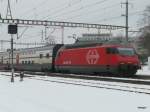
x=82 y=60
x=35 y=59
x=116 y=60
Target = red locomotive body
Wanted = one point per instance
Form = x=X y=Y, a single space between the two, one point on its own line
x=115 y=59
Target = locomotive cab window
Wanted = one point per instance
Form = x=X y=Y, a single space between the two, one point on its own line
x=126 y=51
x=111 y=51
x=108 y=50
x=59 y=54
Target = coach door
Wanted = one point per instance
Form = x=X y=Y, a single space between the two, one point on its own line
x=17 y=59
x=1 y=60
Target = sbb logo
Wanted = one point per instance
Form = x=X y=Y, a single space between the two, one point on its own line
x=92 y=57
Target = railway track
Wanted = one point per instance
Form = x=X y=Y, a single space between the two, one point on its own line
x=96 y=84
x=137 y=79
x=111 y=85
x=132 y=80
x=144 y=80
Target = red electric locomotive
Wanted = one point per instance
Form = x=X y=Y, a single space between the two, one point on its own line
x=96 y=59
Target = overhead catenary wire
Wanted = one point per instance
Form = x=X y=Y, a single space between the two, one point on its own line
x=61 y=9
x=112 y=18
x=55 y=9
x=93 y=11
x=22 y=33
x=37 y=6
x=81 y=8
x=118 y=17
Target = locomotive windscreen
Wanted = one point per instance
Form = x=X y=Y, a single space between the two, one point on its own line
x=126 y=51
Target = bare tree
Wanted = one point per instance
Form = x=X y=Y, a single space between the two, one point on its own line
x=146 y=18
x=145 y=30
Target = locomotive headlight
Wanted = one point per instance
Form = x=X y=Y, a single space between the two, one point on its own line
x=129 y=62
x=122 y=63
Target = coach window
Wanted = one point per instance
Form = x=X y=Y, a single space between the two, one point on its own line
x=29 y=62
x=32 y=62
x=22 y=62
x=47 y=55
x=41 y=55
x=25 y=62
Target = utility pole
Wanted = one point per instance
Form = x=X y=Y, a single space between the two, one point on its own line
x=45 y=32
x=12 y=56
x=127 y=6
x=127 y=17
x=8 y=14
x=12 y=29
x=62 y=41
x=42 y=37
x=1 y=46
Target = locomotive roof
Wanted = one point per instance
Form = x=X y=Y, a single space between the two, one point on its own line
x=36 y=48
x=72 y=46
x=42 y=48
x=93 y=44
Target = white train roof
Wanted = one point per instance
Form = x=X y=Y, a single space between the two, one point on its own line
x=34 y=49
x=42 y=48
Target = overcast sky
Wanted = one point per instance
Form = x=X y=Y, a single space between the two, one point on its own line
x=88 y=11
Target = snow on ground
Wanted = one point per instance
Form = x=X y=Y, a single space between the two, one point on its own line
x=42 y=96
x=145 y=70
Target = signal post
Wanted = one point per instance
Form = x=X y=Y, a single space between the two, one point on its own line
x=12 y=29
